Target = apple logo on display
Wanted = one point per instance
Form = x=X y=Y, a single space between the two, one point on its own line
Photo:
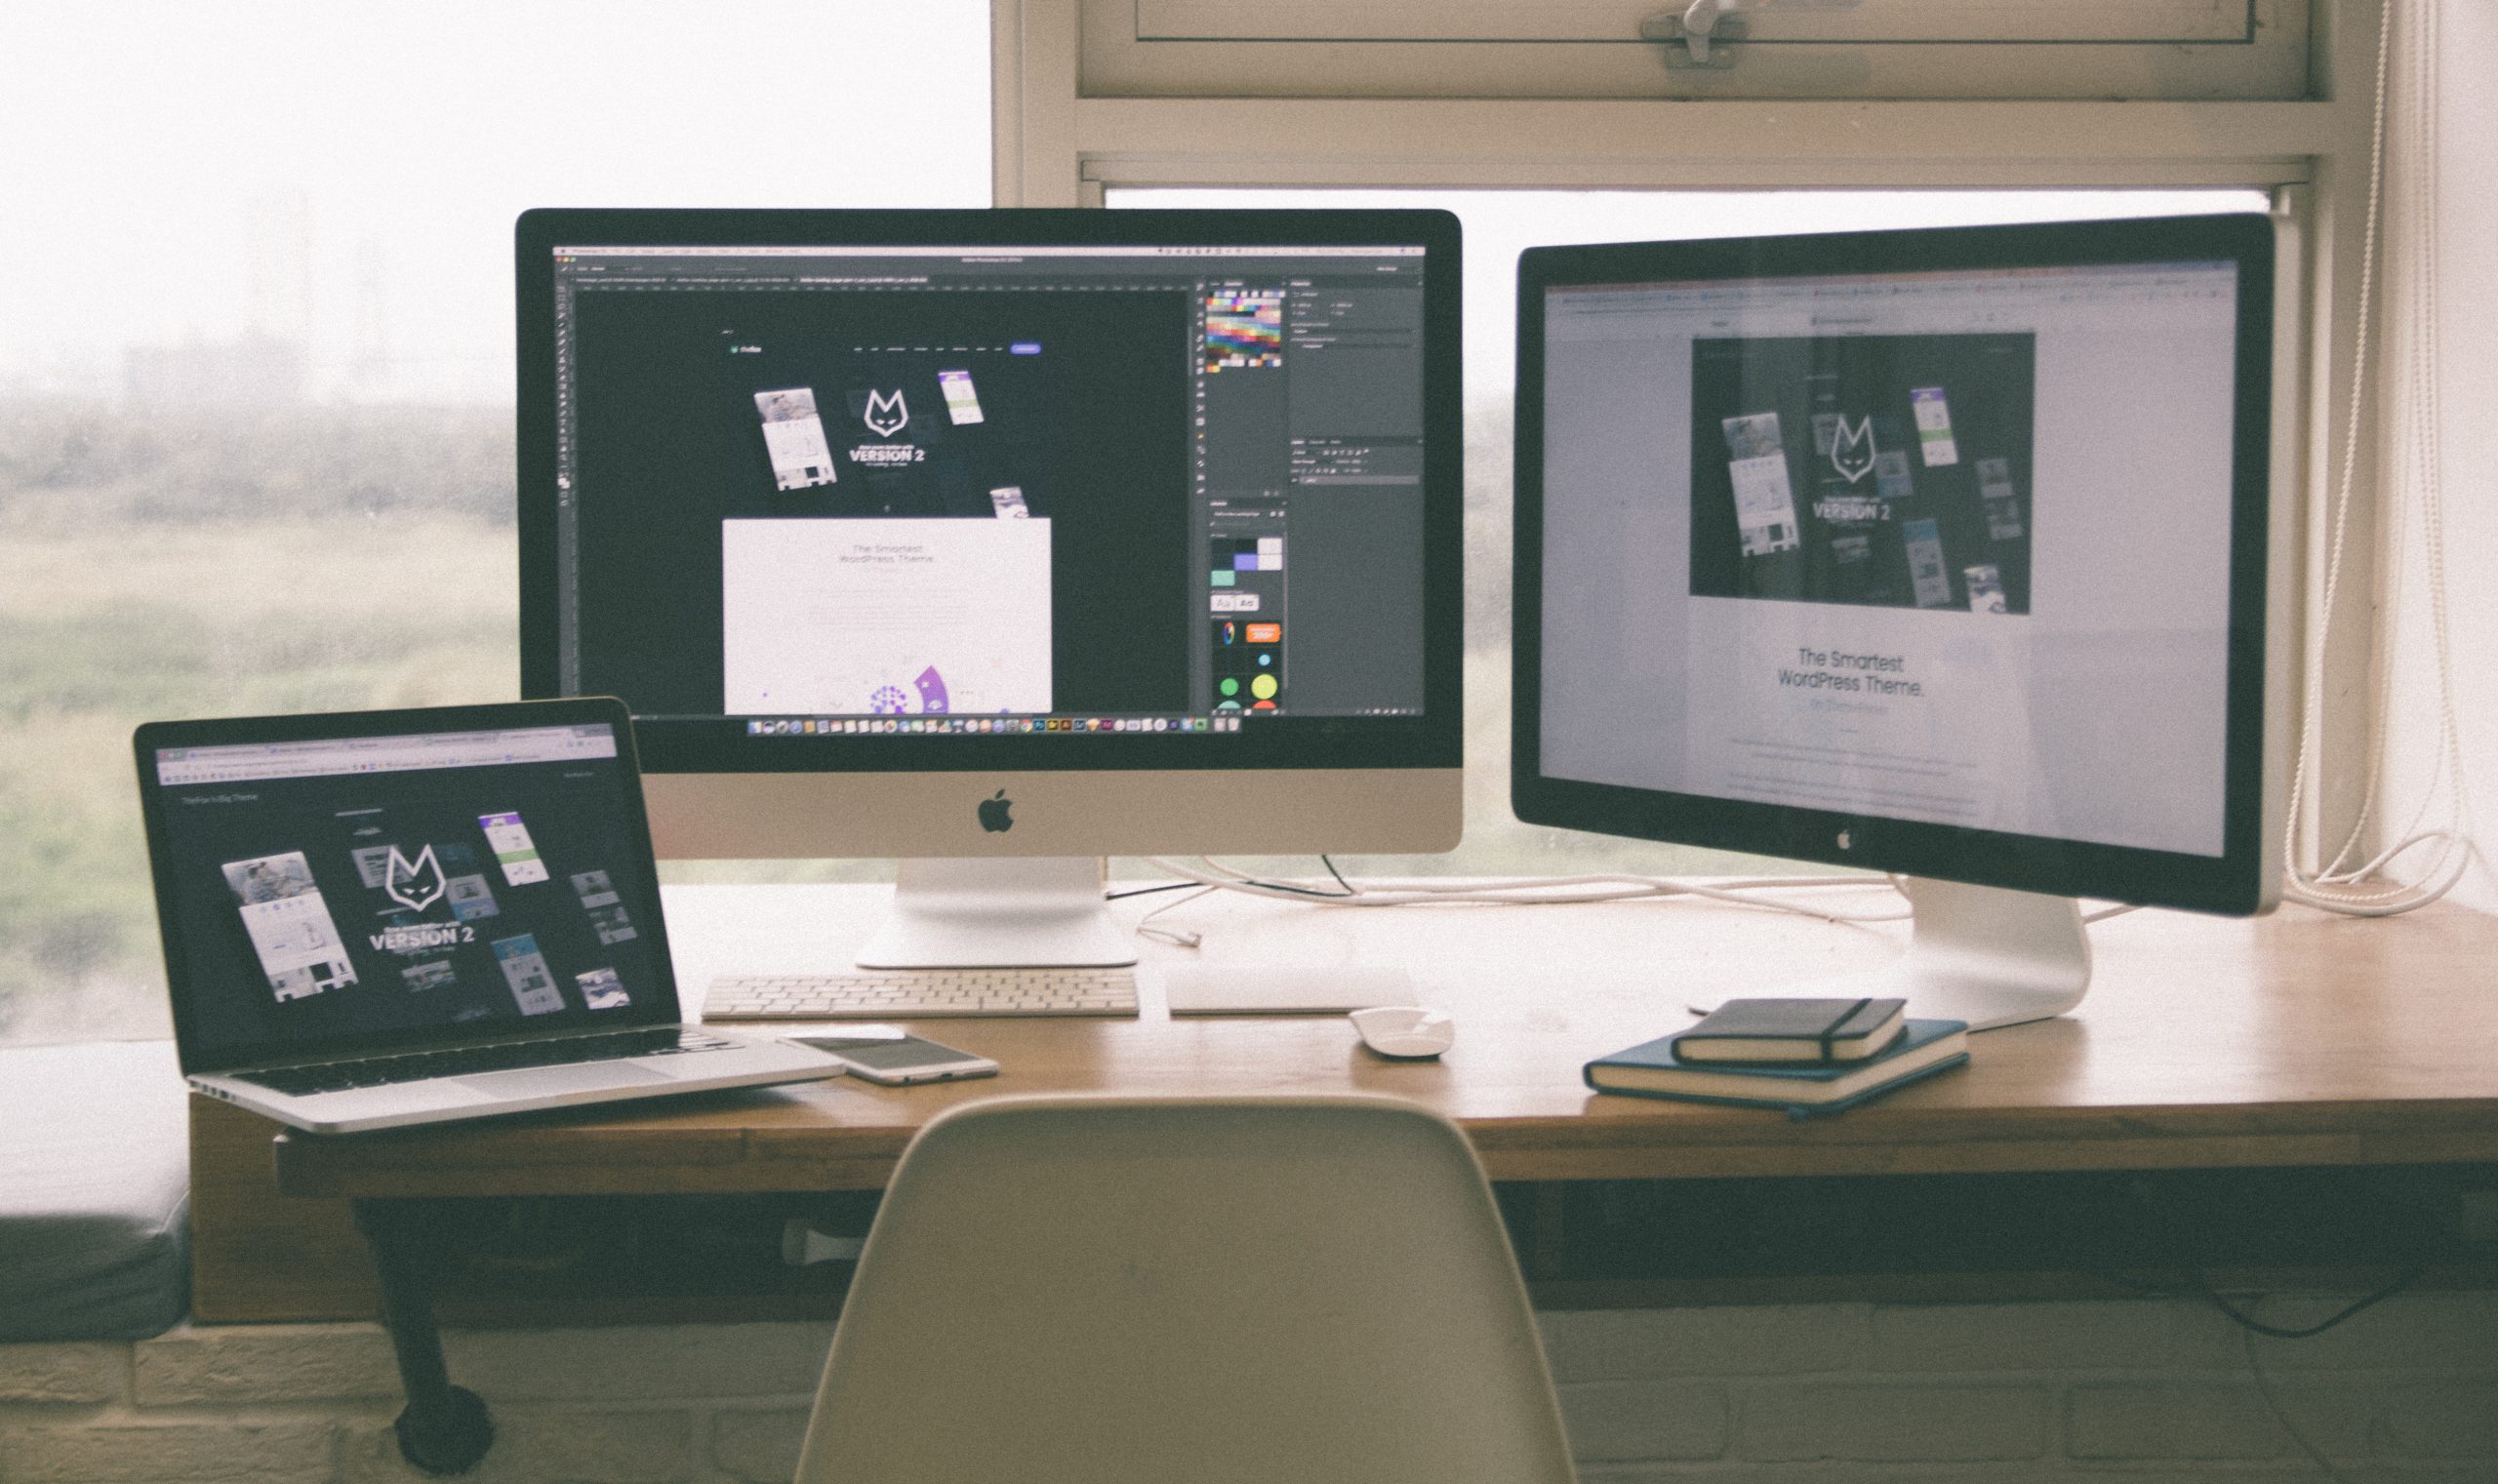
x=993 y=816
x=1846 y=838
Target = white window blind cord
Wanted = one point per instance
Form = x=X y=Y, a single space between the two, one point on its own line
x=2343 y=883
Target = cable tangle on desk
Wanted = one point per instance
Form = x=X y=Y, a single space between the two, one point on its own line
x=1211 y=877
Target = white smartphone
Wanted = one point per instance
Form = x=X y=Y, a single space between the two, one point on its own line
x=895 y=1058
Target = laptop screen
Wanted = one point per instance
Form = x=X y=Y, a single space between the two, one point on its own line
x=351 y=893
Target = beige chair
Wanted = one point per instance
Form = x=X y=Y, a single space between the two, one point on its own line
x=1098 y=1291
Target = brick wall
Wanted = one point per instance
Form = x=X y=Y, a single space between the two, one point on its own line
x=2144 y=1393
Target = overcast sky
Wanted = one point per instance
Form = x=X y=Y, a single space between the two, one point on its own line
x=171 y=171
x=145 y=146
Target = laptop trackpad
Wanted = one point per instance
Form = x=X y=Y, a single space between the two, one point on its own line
x=543 y=1081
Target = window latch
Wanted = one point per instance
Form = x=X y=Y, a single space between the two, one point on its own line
x=1700 y=27
x=1704 y=27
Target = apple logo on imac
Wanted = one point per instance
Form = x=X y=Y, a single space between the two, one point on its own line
x=993 y=813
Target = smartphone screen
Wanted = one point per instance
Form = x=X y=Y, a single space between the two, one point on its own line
x=899 y=1056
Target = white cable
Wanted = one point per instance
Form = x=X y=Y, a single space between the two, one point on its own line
x=2419 y=463
x=1552 y=891
x=1177 y=936
x=2336 y=544
x=2339 y=885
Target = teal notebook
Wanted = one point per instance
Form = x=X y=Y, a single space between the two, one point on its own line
x=1653 y=1071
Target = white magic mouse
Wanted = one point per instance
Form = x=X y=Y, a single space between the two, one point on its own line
x=1404 y=1030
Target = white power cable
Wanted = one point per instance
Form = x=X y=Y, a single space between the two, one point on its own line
x=1531 y=891
x=2340 y=885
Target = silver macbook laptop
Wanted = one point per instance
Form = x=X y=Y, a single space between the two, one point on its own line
x=382 y=918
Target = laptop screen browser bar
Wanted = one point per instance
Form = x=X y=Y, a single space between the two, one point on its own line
x=381 y=754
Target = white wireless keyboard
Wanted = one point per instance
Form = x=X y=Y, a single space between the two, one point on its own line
x=909 y=994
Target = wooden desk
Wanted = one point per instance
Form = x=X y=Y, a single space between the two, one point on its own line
x=2299 y=1039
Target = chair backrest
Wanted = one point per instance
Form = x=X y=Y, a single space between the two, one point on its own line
x=1279 y=1290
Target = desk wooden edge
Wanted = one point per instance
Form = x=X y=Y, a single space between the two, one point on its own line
x=644 y=1158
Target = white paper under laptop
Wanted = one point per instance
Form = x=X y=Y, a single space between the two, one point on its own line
x=386 y=918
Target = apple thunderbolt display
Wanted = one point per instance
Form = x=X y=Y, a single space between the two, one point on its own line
x=1002 y=541
x=1940 y=552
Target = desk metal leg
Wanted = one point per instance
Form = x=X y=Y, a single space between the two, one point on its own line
x=444 y=1429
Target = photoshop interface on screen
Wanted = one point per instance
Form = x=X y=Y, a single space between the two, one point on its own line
x=1026 y=490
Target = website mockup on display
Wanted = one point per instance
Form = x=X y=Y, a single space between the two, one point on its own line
x=1950 y=548
x=343 y=887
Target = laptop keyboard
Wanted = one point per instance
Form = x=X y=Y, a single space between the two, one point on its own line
x=910 y=994
x=416 y=1067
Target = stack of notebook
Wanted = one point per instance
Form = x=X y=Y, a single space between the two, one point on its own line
x=1805 y=1056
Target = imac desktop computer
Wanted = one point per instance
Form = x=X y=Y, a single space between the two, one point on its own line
x=1940 y=552
x=1000 y=542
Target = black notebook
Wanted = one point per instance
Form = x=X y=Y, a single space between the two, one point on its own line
x=1821 y=1031
x=1656 y=1070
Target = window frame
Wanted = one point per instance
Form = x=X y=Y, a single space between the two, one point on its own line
x=2173 y=49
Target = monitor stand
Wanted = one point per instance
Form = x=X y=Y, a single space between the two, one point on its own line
x=1035 y=911
x=1988 y=956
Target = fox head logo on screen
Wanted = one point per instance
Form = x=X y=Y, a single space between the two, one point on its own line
x=887 y=413
x=412 y=884
x=1852 y=448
